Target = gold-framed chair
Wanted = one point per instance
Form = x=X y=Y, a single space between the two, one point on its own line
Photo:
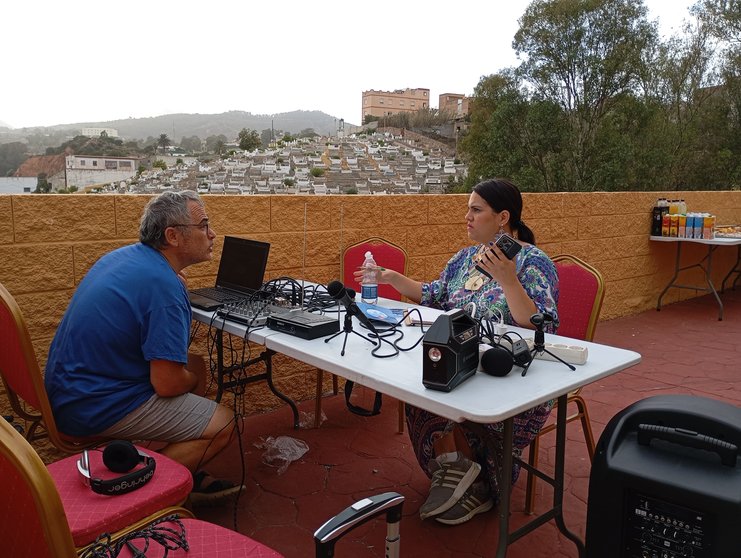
x=24 y=383
x=581 y=293
x=386 y=254
x=38 y=525
x=86 y=511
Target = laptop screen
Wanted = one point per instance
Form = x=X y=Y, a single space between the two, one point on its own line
x=242 y=265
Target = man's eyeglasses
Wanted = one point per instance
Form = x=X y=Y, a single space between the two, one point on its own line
x=203 y=226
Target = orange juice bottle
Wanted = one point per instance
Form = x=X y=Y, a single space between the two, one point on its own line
x=673 y=224
x=665 y=224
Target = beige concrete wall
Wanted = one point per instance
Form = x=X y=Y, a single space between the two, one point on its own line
x=48 y=242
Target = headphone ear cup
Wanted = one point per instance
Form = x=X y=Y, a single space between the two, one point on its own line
x=120 y=456
x=497 y=361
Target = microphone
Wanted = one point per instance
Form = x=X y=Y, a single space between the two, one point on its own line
x=338 y=292
x=350 y=292
x=497 y=361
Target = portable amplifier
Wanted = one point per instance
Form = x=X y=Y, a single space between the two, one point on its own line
x=666 y=482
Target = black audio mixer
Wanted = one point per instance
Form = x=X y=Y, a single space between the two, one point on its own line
x=251 y=312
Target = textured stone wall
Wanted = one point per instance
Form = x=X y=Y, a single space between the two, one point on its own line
x=48 y=242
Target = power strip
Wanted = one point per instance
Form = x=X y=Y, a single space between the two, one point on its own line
x=573 y=354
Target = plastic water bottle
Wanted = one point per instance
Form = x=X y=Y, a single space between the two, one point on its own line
x=369 y=286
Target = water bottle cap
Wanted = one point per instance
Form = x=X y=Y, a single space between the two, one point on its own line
x=368 y=254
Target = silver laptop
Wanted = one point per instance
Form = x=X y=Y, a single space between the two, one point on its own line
x=241 y=273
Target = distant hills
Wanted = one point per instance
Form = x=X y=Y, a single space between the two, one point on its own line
x=177 y=126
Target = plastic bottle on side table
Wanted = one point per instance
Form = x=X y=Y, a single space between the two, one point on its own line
x=660 y=209
x=369 y=286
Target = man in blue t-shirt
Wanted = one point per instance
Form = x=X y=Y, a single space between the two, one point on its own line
x=119 y=365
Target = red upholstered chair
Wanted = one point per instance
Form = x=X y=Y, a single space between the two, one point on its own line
x=23 y=381
x=88 y=513
x=581 y=292
x=35 y=521
x=386 y=254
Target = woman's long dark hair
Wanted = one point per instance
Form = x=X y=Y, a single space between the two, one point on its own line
x=501 y=194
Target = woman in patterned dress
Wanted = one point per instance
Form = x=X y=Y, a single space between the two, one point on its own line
x=463 y=464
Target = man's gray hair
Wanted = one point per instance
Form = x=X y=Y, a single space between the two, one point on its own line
x=166 y=210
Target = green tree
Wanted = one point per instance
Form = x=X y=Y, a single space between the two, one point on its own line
x=686 y=73
x=191 y=144
x=723 y=18
x=42 y=185
x=163 y=142
x=582 y=55
x=266 y=136
x=514 y=137
x=215 y=144
x=248 y=139
x=11 y=156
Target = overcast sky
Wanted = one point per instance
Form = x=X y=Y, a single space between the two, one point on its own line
x=84 y=60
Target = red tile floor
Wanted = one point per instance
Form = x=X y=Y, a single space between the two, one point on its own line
x=685 y=349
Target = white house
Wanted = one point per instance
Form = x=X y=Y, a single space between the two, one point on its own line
x=18 y=184
x=87 y=170
x=95 y=132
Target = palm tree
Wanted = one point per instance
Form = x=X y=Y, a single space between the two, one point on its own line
x=163 y=142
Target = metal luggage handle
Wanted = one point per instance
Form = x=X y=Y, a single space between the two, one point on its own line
x=727 y=451
x=358 y=513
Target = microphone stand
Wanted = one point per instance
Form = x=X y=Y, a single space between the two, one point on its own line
x=347 y=329
x=539 y=349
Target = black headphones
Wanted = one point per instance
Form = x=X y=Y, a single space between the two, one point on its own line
x=120 y=456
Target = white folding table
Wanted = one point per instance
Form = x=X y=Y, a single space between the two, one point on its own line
x=705 y=264
x=481 y=399
x=235 y=375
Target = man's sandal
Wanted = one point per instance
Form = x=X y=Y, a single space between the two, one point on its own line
x=208 y=490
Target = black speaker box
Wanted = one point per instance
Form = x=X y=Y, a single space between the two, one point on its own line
x=450 y=350
x=666 y=481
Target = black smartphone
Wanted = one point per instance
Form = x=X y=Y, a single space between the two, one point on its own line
x=508 y=245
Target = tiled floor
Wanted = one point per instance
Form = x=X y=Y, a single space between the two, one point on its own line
x=685 y=349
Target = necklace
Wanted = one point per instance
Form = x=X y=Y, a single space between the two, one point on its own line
x=476 y=279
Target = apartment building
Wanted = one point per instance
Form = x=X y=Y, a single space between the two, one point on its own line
x=383 y=103
x=88 y=170
x=95 y=132
x=454 y=103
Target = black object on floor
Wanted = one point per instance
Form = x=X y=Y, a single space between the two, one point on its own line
x=666 y=481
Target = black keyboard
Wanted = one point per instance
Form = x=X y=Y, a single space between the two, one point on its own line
x=217 y=294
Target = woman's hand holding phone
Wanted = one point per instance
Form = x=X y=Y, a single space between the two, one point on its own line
x=496 y=261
